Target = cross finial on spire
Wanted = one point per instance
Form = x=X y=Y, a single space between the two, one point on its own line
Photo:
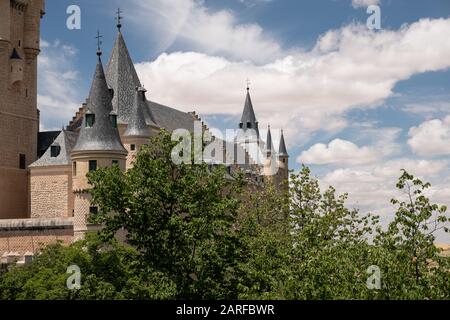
x=248 y=84
x=99 y=43
x=119 y=18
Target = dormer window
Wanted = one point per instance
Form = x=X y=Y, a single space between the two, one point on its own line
x=241 y=125
x=249 y=125
x=113 y=119
x=55 y=150
x=90 y=120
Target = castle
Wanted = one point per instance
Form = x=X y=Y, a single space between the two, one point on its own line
x=43 y=182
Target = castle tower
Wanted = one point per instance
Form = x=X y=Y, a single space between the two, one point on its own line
x=122 y=77
x=283 y=163
x=137 y=133
x=98 y=145
x=270 y=164
x=19 y=120
x=248 y=135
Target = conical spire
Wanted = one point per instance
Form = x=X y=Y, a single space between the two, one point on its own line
x=282 y=150
x=137 y=126
x=122 y=78
x=248 y=119
x=269 y=144
x=97 y=132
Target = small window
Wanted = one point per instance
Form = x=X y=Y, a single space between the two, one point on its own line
x=20 y=43
x=284 y=160
x=249 y=125
x=74 y=168
x=241 y=125
x=90 y=120
x=55 y=151
x=93 y=210
x=133 y=147
x=92 y=165
x=115 y=162
x=22 y=161
x=26 y=92
x=113 y=119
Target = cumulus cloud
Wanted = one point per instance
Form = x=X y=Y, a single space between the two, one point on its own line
x=364 y=3
x=191 y=23
x=371 y=187
x=338 y=152
x=349 y=68
x=57 y=85
x=431 y=138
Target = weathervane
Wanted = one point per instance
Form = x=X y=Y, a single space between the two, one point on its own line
x=248 y=84
x=99 y=43
x=119 y=18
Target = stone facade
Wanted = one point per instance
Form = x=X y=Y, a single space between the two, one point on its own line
x=19 y=121
x=56 y=182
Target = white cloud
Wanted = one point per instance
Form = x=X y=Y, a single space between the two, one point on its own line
x=338 y=152
x=348 y=68
x=218 y=32
x=431 y=138
x=364 y=3
x=371 y=187
x=383 y=143
x=58 y=97
x=429 y=109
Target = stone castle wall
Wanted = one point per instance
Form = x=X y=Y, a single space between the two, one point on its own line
x=21 y=236
x=51 y=192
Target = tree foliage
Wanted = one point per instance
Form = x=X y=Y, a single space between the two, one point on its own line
x=195 y=232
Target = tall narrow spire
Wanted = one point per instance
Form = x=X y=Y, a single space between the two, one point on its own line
x=248 y=119
x=282 y=149
x=137 y=127
x=97 y=133
x=123 y=79
x=269 y=144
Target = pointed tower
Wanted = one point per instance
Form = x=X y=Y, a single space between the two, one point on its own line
x=123 y=79
x=283 y=163
x=98 y=145
x=19 y=121
x=137 y=132
x=270 y=164
x=248 y=134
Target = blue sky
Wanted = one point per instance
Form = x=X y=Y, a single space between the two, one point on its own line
x=357 y=105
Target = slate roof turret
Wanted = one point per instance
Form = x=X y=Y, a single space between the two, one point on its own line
x=102 y=135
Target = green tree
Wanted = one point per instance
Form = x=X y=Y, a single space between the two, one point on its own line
x=107 y=270
x=412 y=265
x=180 y=218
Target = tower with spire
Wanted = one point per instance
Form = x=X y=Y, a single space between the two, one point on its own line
x=274 y=166
x=283 y=164
x=248 y=136
x=137 y=132
x=98 y=145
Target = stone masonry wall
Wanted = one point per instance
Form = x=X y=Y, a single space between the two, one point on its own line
x=51 y=193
